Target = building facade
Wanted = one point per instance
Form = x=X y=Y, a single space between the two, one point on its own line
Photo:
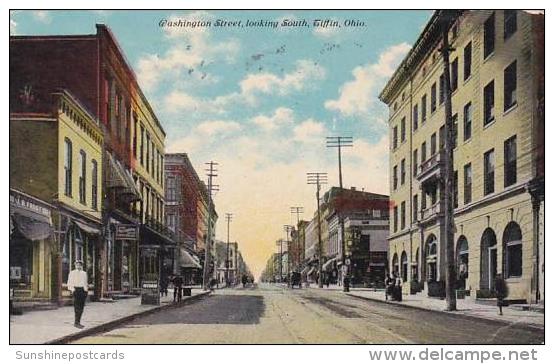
x=496 y=86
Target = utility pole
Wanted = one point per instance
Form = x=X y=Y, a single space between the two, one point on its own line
x=229 y=217
x=339 y=143
x=318 y=179
x=288 y=229
x=211 y=173
x=280 y=244
x=449 y=170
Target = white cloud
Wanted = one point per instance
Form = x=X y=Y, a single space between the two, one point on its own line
x=42 y=16
x=13 y=26
x=299 y=79
x=358 y=95
x=281 y=116
x=216 y=127
x=309 y=131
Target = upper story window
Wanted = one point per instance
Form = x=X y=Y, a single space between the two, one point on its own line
x=441 y=137
x=467 y=183
x=423 y=108
x=454 y=75
x=395 y=137
x=488 y=103
x=423 y=152
x=510 y=23
x=467 y=60
x=83 y=177
x=415 y=162
x=468 y=117
x=402 y=171
x=68 y=166
x=415 y=116
x=395 y=177
x=455 y=189
x=454 y=131
x=142 y=145
x=488 y=36
x=94 y=185
x=441 y=89
x=510 y=85
x=403 y=129
x=403 y=215
x=510 y=161
x=147 y=152
x=488 y=167
x=170 y=190
x=434 y=97
x=433 y=143
x=135 y=136
x=395 y=217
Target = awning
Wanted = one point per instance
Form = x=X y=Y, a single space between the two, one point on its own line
x=87 y=228
x=119 y=177
x=328 y=264
x=153 y=238
x=187 y=260
x=32 y=226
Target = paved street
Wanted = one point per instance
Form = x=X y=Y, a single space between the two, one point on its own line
x=271 y=315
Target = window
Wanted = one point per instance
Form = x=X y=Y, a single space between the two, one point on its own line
x=171 y=222
x=403 y=215
x=454 y=131
x=395 y=218
x=513 y=252
x=510 y=85
x=441 y=137
x=441 y=89
x=423 y=201
x=414 y=212
x=94 y=184
x=107 y=100
x=402 y=171
x=170 y=190
x=510 y=23
x=468 y=116
x=395 y=105
x=467 y=60
x=467 y=183
x=415 y=163
x=142 y=145
x=510 y=161
x=434 y=97
x=152 y=159
x=423 y=152
x=68 y=166
x=455 y=189
x=395 y=137
x=403 y=129
x=135 y=131
x=83 y=177
x=147 y=152
x=454 y=75
x=423 y=108
x=395 y=177
x=415 y=117
x=488 y=161
x=488 y=36
x=433 y=144
x=488 y=101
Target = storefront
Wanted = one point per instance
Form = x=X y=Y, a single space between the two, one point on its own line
x=31 y=244
x=156 y=255
x=189 y=266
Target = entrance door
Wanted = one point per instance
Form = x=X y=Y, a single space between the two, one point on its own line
x=493 y=260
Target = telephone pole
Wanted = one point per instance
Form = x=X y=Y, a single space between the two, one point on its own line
x=297 y=210
x=228 y=217
x=318 y=179
x=339 y=143
x=280 y=244
x=211 y=173
x=288 y=229
x=449 y=169
x=300 y=249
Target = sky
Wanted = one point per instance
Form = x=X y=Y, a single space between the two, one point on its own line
x=260 y=101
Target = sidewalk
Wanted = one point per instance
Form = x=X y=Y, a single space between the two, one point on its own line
x=465 y=307
x=39 y=327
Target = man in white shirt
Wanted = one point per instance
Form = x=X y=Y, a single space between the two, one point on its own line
x=77 y=283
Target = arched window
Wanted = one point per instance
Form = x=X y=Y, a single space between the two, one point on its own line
x=404 y=261
x=512 y=250
x=431 y=258
x=488 y=259
x=462 y=257
x=415 y=267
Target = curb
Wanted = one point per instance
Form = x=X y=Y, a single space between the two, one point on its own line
x=117 y=322
x=450 y=313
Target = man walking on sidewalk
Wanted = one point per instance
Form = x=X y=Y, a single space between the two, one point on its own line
x=77 y=283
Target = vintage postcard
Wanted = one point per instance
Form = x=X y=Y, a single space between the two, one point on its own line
x=277 y=177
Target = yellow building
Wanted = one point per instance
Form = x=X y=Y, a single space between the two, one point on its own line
x=495 y=71
x=56 y=156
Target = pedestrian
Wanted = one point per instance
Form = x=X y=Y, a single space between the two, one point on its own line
x=398 y=288
x=501 y=292
x=389 y=285
x=164 y=283
x=244 y=280
x=327 y=280
x=177 y=288
x=77 y=283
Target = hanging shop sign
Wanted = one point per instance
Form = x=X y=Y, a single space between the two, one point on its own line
x=126 y=232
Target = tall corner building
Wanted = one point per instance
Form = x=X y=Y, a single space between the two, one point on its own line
x=497 y=83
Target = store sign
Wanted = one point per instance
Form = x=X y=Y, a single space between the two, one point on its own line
x=24 y=202
x=126 y=232
x=150 y=293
